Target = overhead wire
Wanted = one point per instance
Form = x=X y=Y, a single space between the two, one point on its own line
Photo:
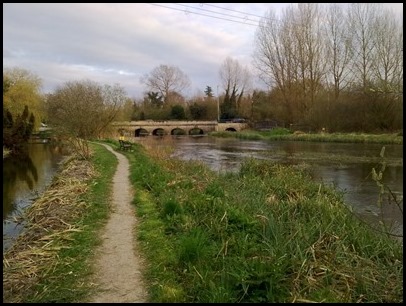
x=245 y=18
x=238 y=19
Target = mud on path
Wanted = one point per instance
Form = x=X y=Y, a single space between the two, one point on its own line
x=117 y=264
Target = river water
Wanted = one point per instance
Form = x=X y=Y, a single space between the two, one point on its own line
x=24 y=178
x=344 y=166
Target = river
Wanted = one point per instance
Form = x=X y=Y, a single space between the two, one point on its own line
x=26 y=176
x=344 y=166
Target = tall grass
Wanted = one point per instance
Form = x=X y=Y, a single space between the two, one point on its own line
x=265 y=234
x=284 y=134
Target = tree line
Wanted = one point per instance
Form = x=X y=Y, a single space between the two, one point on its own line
x=331 y=67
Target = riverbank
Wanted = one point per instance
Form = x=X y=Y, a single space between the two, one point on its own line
x=51 y=260
x=285 y=134
x=264 y=234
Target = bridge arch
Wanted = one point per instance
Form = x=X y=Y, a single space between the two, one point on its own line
x=140 y=132
x=158 y=132
x=231 y=129
x=178 y=131
x=196 y=131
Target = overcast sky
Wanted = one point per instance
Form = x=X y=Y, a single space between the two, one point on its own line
x=117 y=43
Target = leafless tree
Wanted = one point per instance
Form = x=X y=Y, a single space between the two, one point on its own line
x=274 y=56
x=387 y=66
x=362 y=18
x=354 y=50
x=289 y=53
x=309 y=50
x=235 y=79
x=166 y=79
x=338 y=48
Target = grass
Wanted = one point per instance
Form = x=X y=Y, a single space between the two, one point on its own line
x=285 y=134
x=59 y=255
x=265 y=234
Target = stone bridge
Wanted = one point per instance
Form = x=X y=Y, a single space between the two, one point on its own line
x=173 y=127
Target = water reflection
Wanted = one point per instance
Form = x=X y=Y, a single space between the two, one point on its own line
x=25 y=176
x=17 y=170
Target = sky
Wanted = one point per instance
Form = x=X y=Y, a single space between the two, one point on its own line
x=118 y=43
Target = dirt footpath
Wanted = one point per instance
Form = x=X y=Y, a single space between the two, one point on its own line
x=118 y=264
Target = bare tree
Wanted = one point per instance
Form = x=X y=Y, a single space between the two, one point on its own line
x=289 y=53
x=386 y=78
x=387 y=66
x=300 y=55
x=166 y=79
x=309 y=51
x=274 y=57
x=82 y=110
x=338 y=48
x=362 y=18
x=236 y=80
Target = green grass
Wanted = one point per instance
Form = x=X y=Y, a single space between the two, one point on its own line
x=265 y=234
x=69 y=281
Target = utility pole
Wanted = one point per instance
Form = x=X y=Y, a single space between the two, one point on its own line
x=218 y=105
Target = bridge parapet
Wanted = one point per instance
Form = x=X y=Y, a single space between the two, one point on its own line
x=174 y=127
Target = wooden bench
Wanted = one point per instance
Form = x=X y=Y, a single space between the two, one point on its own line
x=125 y=145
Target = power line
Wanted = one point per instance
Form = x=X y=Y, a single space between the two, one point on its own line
x=243 y=19
x=228 y=15
x=223 y=8
x=259 y=25
x=206 y=15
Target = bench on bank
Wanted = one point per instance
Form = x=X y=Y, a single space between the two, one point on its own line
x=125 y=145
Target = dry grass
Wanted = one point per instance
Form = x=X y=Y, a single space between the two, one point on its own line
x=48 y=223
x=164 y=148
x=6 y=152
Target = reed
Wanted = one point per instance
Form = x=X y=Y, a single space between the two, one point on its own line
x=283 y=134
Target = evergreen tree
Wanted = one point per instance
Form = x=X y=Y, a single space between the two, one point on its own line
x=209 y=92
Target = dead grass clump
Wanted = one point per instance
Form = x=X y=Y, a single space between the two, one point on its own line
x=48 y=225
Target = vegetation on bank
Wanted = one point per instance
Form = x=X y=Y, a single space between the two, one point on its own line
x=286 y=134
x=265 y=234
x=6 y=152
x=51 y=259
